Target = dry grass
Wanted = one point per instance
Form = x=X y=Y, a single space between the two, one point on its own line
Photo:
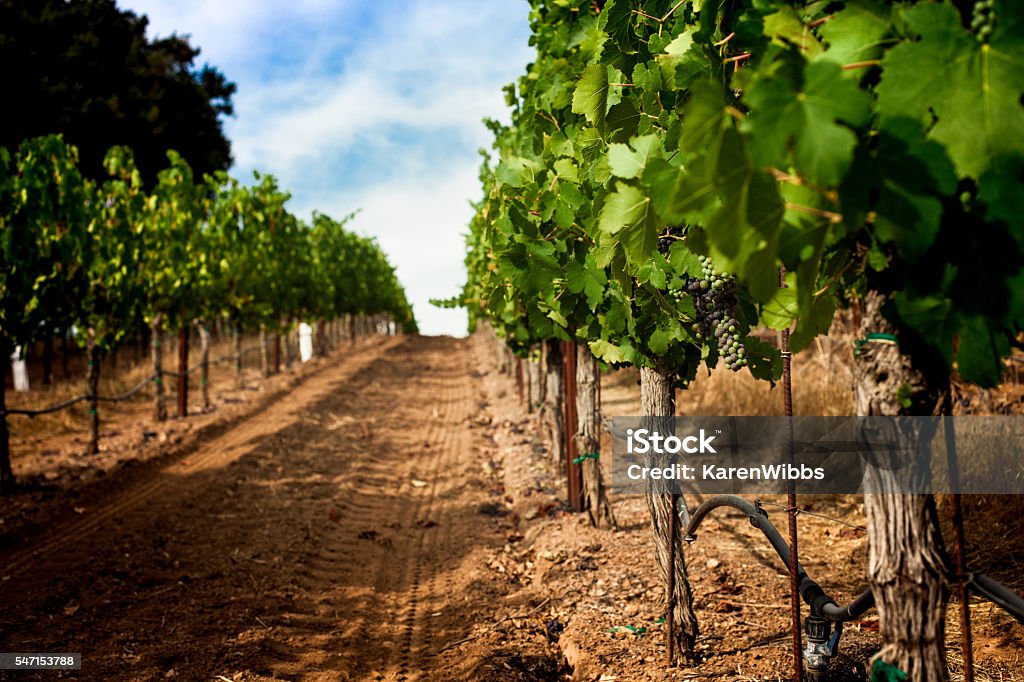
x=822 y=386
x=116 y=376
x=822 y=383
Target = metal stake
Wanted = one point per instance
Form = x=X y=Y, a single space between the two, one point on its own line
x=794 y=563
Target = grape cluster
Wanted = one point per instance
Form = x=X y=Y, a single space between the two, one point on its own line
x=714 y=298
x=666 y=240
x=983 y=19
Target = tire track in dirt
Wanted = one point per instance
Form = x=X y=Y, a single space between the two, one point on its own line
x=220 y=451
x=388 y=528
x=337 y=538
x=435 y=547
x=423 y=598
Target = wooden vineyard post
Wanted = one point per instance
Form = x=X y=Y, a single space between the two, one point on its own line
x=93 y=383
x=156 y=339
x=183 y=371
x=573 y=471
x=519 y=379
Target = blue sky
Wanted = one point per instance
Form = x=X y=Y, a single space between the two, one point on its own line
x=366 y=105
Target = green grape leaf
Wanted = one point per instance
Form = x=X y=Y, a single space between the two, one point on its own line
x=1000 y=190
x=682 y=61
x=608 y=352
x=593 y=96
x=856 y=33
x=807 y=120
x=627 y=214
x=764 y=360
x=628 y=161
x=567 y=170
x=979 y=357
x=974 y=98
x=929 y=316
x=813 y=319
x=678 y=195
x=683 y=260
x=618 y=21
x=653 y=271
x=647 y=76
x=785 y=26
x=517 y=172
x=658 y=341
x=586 y=278
x=780 y=311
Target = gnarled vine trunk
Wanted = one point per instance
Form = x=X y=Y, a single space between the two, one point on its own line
x=289 y=345
x=156 y=345
x=551 y=414
x=907 y=562
x=588 y=437
x=264 y=356
x=204 y=372
x=277 y=353
x=239 y=379
x=535 y=394
x=658 y=407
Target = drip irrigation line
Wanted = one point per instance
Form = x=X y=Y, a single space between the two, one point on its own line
x=998 y=594
x=813 y=595
x=820 y=603
x=129 y=393
x=46 y=410
x=120 y=396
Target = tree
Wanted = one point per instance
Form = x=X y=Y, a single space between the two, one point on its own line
x=85 y=69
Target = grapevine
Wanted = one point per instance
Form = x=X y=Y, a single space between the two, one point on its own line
x=830 y=140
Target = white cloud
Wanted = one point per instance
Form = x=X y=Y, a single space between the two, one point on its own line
x=373 y=106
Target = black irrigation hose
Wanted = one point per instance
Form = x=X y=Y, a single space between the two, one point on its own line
x=46 y=410
x=129 y=393
x=821 y=604
x=998 y=594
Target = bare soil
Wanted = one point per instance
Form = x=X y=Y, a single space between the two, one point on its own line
x=392 y=514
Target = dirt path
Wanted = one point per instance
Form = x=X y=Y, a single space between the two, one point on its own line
x=332 y=536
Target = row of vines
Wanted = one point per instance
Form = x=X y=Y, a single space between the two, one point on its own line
x=110 y=258
x=677 y=174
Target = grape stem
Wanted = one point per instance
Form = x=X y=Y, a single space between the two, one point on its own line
x=861 y=65
x=821 y=213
